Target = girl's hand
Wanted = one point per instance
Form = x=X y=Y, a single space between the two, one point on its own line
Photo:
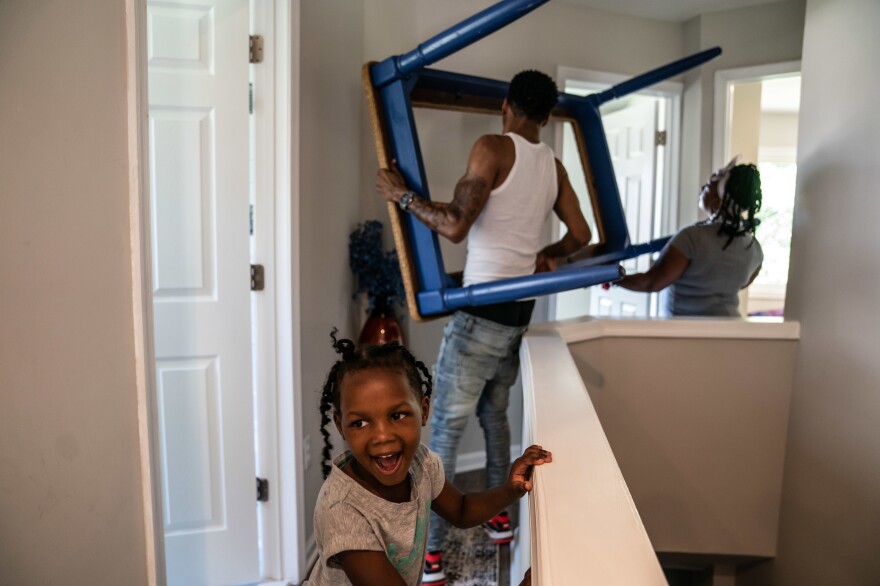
x=520 y=479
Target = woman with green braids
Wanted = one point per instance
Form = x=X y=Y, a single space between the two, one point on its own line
x=704 y=266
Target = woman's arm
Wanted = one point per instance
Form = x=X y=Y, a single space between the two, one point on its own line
x=667 y=270
x=369 y=568
x=469 y=510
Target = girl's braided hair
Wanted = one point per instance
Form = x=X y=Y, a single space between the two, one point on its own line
x=742 y=195
x=391 y=356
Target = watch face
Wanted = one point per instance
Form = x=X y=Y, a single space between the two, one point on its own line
x=406 y=199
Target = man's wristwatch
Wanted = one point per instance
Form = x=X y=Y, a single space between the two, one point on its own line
x=405 y=200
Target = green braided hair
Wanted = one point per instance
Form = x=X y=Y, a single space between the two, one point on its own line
x=391 y=356
x=742 y=196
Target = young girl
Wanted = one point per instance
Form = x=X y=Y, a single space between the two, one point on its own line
x=372 y=514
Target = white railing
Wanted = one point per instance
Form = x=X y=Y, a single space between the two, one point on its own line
x=583 y=527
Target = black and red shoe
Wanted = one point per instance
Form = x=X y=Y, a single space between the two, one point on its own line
x=433 y=575
x=498 y=528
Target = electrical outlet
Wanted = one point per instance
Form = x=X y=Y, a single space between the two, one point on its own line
x=307 y=452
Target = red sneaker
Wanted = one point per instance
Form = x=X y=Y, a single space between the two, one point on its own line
x=433 y=575
x=498 y=528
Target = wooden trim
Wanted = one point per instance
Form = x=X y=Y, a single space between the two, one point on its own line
x=404 y=253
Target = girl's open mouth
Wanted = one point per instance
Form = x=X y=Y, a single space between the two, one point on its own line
x=388 y=464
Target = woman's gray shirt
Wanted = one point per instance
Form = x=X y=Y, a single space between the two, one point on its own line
x=711 y=283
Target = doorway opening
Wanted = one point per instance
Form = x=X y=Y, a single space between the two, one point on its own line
x=643 y=135
x=756 y=116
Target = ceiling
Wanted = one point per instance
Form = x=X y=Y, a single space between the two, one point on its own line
x=670 y=10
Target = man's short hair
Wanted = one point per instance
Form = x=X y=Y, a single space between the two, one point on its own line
x=532 y=94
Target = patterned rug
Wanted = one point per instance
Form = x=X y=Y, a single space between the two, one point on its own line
x=469 y=558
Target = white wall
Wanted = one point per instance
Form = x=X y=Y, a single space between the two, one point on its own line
x=71 y=508
x=831 y=494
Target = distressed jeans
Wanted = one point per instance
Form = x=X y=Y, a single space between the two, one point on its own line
x=477 y=364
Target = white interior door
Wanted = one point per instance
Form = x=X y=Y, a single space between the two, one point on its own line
x=198 y=103
x=631 y=139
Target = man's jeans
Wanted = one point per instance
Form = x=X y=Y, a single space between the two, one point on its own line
x=477 y=365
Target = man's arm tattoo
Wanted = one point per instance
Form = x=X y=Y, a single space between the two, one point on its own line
x=465 y=206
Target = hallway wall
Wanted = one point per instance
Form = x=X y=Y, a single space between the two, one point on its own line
x=831 y=492
x=71 y=506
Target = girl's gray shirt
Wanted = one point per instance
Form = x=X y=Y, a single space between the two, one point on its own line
x=349 y=517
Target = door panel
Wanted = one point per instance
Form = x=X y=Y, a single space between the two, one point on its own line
x=630 y=135
x=198 y=100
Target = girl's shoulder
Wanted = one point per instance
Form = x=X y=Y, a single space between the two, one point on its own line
x=336 y=489
x=425 y=458
x=430 y=468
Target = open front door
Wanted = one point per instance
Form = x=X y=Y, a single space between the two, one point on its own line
x=198 y=133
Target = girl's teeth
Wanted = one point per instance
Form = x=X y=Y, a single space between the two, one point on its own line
x=387 y=462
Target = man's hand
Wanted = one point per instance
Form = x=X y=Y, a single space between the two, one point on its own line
x=520 y=479
x=544 y=263
x=390 y=183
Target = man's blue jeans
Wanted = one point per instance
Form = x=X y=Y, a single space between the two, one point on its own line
x=477 y=364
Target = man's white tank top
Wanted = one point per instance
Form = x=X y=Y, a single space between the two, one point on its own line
x=506 y=237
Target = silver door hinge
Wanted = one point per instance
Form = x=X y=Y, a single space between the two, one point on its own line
x=256 y=49
x=258 y=279
x=660 y=138
x=262 y=490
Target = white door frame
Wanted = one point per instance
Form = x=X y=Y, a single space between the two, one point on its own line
x=724 y=78
x=282 y=523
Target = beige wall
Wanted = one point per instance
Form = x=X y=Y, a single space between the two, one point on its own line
x=71 y=507
x=698 y=428
x=758 y=35
x=831 y=500
x=330 y=192
x=745 y=124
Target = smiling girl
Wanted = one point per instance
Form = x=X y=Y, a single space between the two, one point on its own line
x=372 y=514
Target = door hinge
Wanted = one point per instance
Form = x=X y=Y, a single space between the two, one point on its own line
x=262 y=489
x=258 y=280
x=660 y=138
x=256 y=49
